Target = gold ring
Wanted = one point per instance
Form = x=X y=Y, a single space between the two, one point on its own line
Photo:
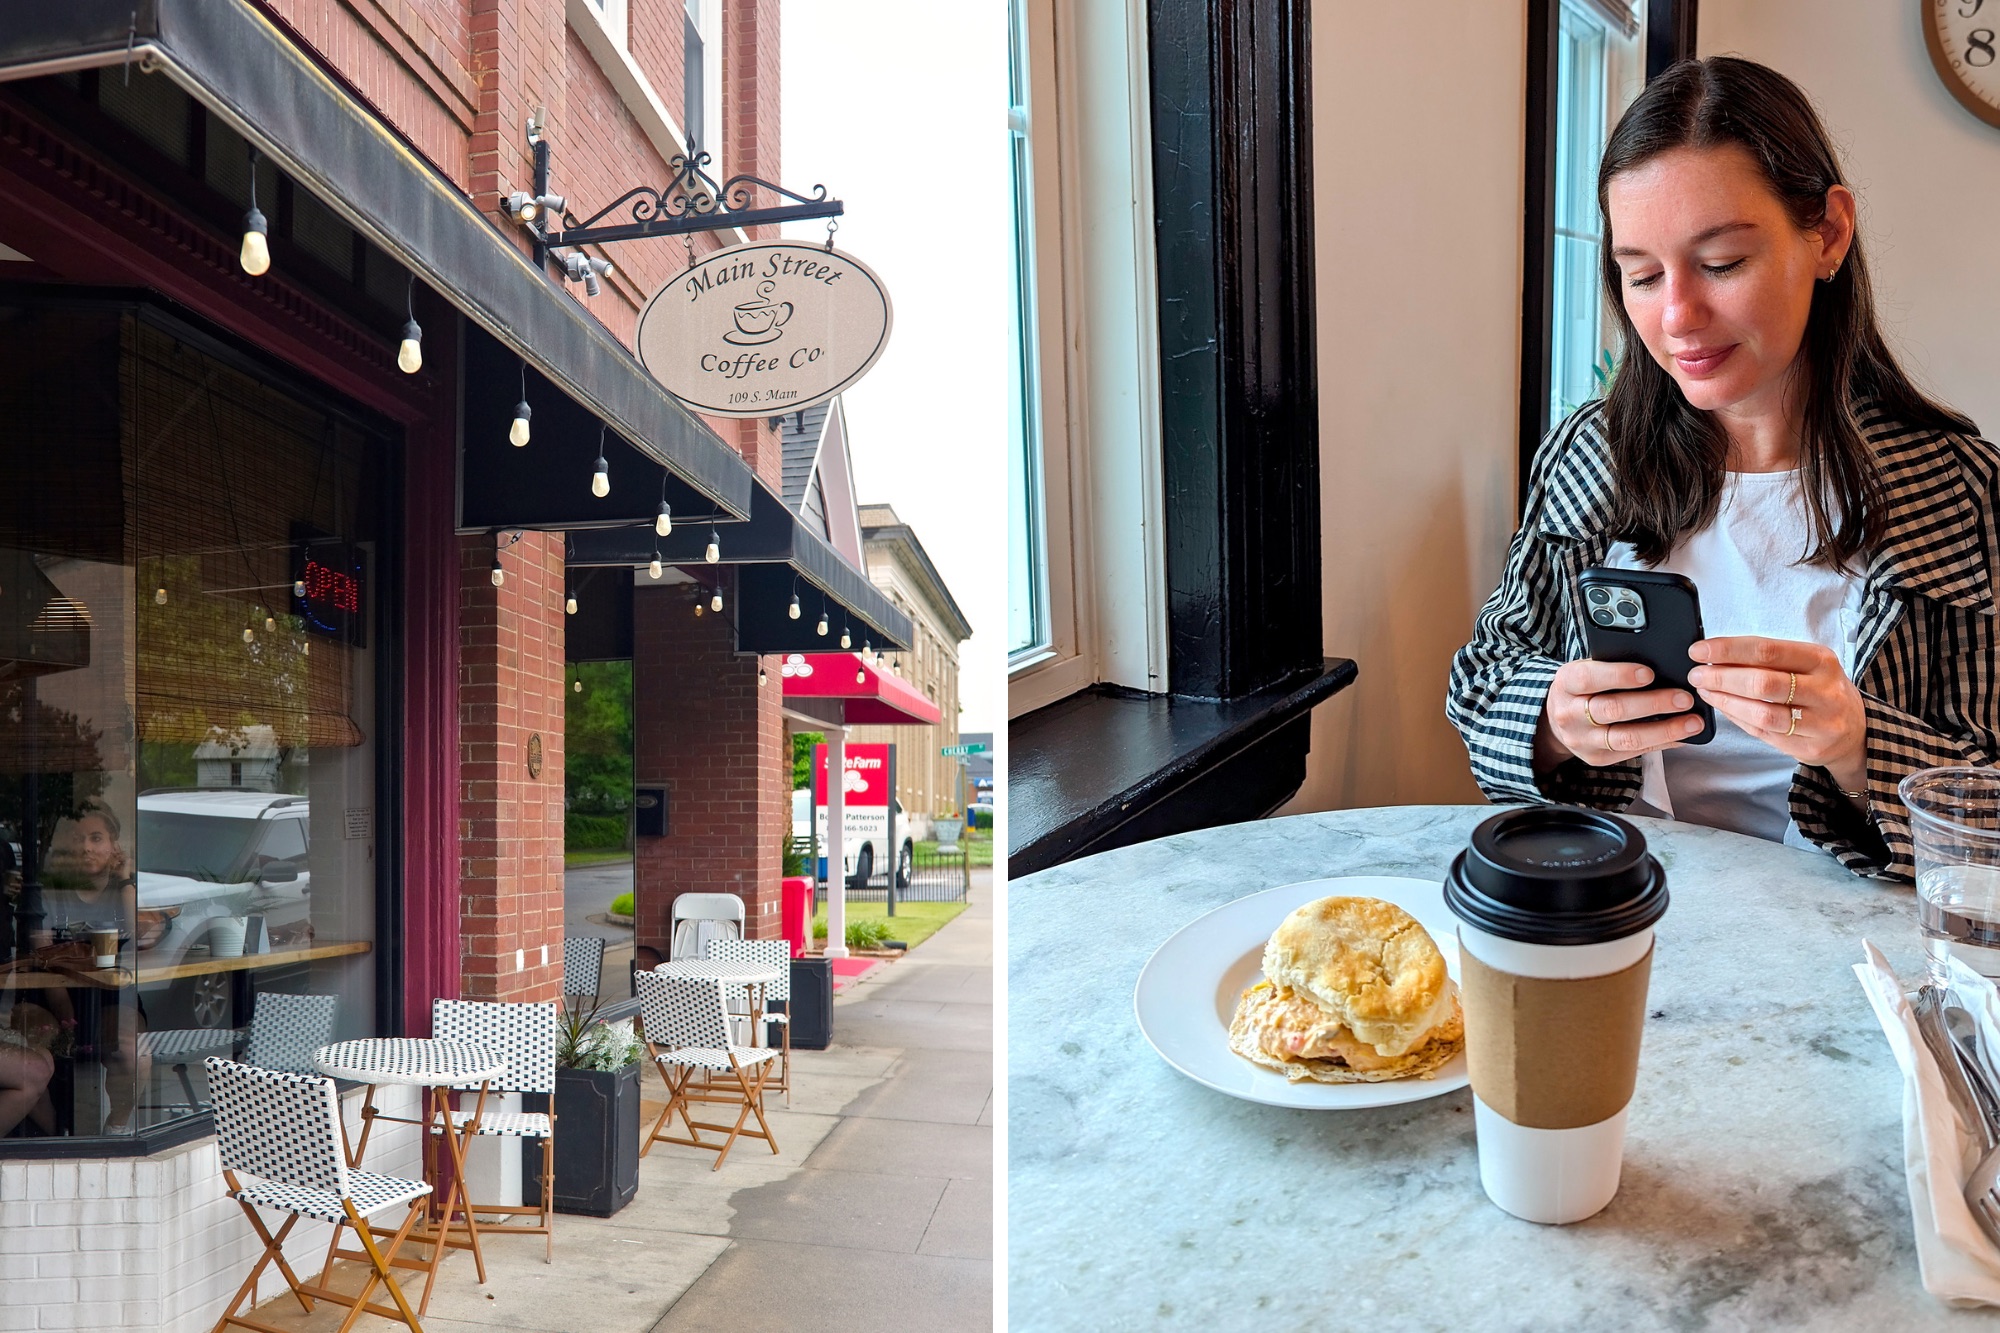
x=1586 y=711
x=1794 y=728
x=1793 y=692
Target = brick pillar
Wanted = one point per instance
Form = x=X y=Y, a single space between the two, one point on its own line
x=704 y=729
x=511 y=824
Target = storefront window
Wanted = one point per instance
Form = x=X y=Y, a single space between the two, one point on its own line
x=190 y=643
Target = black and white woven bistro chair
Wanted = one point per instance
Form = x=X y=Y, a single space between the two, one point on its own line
x=772 y=953
x=583 y=965
x=523 y=1035
x=687 y=1029
x=284 y=1032
x=283 y=1131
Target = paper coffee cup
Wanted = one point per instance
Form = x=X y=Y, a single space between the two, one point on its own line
x=104 y=943
x=1556 y=907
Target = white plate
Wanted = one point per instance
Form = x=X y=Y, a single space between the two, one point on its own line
x=1188 y=990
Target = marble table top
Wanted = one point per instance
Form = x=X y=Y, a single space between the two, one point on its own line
x=1763 y=1184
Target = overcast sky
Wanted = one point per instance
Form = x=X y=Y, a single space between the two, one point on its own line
x=899 y=107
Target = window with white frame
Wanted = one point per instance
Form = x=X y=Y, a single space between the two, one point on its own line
x=616 y=17
x=1086 y=571
x=701 y=89
x=1598 y=72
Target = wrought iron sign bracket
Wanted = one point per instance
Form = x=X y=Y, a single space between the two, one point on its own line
x=689 y=202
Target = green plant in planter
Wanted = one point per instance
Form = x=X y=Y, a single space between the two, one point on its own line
x=867 y=934
x=584 y=1041
x=792 y=857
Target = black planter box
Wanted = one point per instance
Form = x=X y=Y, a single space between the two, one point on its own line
x=597 y=1140
x=811 y=1005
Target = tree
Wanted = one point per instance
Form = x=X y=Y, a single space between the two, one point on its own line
x=802 y=756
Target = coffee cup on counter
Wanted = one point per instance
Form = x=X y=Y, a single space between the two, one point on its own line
x=104 y=944
x=1556 y=908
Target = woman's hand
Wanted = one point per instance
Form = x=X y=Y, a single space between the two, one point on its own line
x=1792 y=696
x=1601 y=713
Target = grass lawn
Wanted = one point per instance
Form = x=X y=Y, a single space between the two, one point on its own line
x=593 y=858
x=914 y=922
x=977 y=841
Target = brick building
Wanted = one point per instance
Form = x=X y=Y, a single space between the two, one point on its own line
x=249 y=505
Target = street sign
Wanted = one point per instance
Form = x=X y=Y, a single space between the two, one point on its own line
x=961 y=751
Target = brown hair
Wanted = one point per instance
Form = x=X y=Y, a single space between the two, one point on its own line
x=1667 y=456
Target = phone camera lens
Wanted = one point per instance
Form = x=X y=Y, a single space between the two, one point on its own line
x=1601 y=615
x=1599 y=596
x=1629 y=610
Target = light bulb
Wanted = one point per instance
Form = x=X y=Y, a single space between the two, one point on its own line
x=715 y=602
x=868 y=652
x=249 y=635
x=860 y=676
x=160 y=596
x=299 y=588
x=256 y=254
x=714 y=551
x=517 y=434
x=270 y=624
x=578 y=687
x=600 y=480
x=822 y=624
x=846 y=639
x=762 y=679
x=499 y=575
x=794 y=612
x=664 y=524
x=698 y=609
x=654 y=570
x=570 y=605
x=410 y=356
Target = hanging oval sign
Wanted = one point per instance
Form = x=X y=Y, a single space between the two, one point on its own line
x=765 y=328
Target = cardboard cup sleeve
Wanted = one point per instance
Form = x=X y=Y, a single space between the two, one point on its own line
x=1554 y=1054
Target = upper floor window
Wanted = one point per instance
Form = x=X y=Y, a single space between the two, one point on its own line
x=701 y=88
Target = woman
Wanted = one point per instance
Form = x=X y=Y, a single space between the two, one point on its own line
x=1759 y=438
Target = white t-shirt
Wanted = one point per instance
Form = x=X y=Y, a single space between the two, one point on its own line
x=1746 y=567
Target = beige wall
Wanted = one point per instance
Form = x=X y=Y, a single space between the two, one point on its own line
x=1417 y=195
x=1927 y=173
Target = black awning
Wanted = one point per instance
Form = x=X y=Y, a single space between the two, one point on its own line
x=237 y=63
x=773 y=554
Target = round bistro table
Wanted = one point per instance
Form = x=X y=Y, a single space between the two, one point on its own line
x=1763 y=1184
x=443 y=1067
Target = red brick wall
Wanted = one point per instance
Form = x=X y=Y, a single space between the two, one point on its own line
x=706 y=729
x=510 y=824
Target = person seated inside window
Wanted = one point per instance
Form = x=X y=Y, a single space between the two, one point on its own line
x=1760 y=439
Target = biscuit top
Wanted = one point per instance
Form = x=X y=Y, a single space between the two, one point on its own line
x=1369 y=964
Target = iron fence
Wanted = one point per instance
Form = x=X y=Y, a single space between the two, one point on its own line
x=929 y=876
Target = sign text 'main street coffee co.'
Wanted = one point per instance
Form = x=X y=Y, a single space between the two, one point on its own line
x=765 y=328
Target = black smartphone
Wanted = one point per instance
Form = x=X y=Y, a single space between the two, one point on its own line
x=1636 y=615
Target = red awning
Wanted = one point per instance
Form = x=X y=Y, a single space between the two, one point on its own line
x=870 y=698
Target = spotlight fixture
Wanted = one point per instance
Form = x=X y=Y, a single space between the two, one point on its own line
x=499 y=575
x=517 y=434
x=715 y=602
x=714 y=551
x=160 y=595
x=299 y=589
x=550 y=203
x=521 y=207
x=579 y=267
x=255 y=257
x=410 y=356
x=600 y=480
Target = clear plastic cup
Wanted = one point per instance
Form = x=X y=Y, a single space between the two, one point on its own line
x=1955 y=824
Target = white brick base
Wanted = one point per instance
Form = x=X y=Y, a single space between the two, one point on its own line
x=152 y=1243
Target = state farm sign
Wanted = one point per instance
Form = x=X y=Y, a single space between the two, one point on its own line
x=765 y=328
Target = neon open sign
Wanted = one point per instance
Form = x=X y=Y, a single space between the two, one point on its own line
x=332 y=588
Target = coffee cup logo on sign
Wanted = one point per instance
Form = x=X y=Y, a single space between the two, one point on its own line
x=765 y=328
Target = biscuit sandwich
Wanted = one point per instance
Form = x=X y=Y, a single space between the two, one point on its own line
x=1354 y=991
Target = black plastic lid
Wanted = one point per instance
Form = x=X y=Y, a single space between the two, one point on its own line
x=1557 y=874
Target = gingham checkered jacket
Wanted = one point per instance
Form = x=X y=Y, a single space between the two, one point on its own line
x=1925 y=653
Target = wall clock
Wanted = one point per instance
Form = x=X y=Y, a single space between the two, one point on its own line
x=1963 y=37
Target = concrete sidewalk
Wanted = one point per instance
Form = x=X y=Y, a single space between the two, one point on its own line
x=875 y=1215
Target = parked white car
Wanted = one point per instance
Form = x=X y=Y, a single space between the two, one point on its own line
x=208 y=854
